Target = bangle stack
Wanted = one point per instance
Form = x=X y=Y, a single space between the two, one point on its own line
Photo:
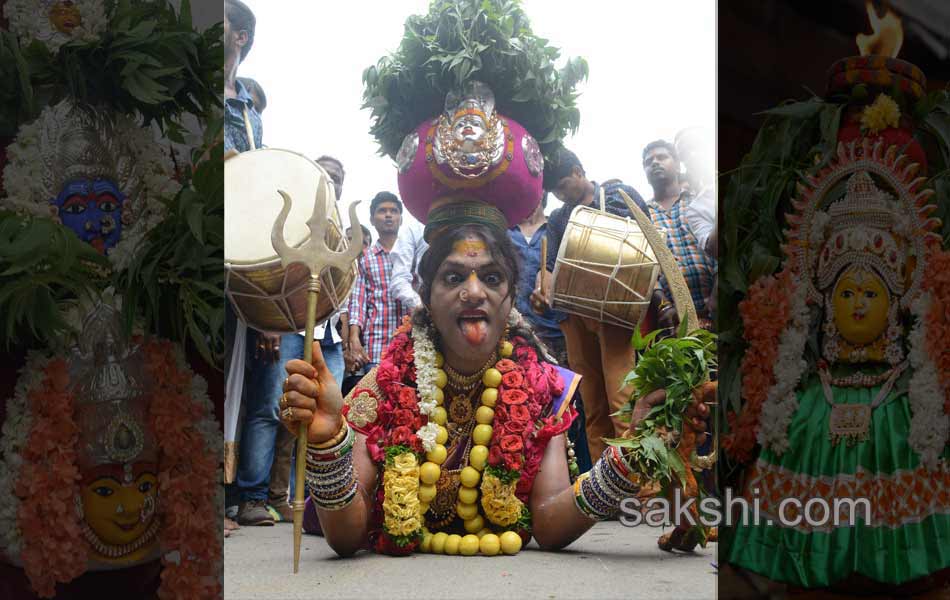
x=330 y=476
x=599 y=492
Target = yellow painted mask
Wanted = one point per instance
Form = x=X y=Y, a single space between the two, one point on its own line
x=65 y=17
x=119 y=510
x=861 y=303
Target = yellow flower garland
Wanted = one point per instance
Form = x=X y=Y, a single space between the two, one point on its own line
x=501 y=505
x=401 y=511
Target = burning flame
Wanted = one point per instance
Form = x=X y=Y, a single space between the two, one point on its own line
x=886 y=35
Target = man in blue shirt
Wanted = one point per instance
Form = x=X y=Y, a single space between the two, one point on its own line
x=527 y=236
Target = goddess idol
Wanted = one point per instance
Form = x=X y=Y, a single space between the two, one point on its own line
x=855 y=419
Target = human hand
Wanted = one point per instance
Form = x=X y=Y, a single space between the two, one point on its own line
x=695 y=417
x=268 y=346
x=542 y=302
x=312 y=396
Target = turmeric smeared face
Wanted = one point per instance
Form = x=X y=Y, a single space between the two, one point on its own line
x=65 y=16
x=470 y=299
x=861 y=304
x=120 y=511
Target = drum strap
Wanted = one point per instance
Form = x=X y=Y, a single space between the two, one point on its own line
x=250 y=130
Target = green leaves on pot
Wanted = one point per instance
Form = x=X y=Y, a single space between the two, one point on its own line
x=461 y=40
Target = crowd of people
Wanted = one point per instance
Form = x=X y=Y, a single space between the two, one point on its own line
x=387 y=289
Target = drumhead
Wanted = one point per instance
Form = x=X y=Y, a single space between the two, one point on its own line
x=251 y=181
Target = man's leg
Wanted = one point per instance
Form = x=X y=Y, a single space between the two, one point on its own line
x=261 y=422
x=617 y=357
x=583 y=353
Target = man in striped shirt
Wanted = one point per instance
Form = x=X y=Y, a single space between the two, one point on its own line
x=374 y=310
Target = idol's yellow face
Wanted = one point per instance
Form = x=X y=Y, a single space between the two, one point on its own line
x=861 y=304
x=114 y=511
x=65 y=16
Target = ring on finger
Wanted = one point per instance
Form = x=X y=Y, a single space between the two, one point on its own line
x=283 y=401
x=288 y=413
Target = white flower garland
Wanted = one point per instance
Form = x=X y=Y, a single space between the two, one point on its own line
x=929 y=426
x=25 y=175
x=16 y=430
x=29 y=20
x=781 y=403
x=424 y=358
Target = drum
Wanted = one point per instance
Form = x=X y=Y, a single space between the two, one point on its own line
x=605 y=269
x=265 y=295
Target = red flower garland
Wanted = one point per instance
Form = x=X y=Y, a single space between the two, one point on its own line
x=526 y=389
x=936 y=281
x=48 y=485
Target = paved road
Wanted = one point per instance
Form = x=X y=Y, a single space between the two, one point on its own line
x=609 y=561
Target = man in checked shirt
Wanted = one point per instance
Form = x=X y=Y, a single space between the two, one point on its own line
x=374 y=310
x=668 y=211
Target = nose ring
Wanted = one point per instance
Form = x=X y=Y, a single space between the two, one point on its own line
x=463 y=295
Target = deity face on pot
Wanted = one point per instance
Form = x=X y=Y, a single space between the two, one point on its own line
x=93 y=209
x=119 y=502
x=468 y=130
x=861 y=304
x=64 y=16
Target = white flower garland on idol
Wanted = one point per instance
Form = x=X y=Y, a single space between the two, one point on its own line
x=781 y=403
x=16 y=430
x=929 y=426
x=33 y=160
x=30 y=19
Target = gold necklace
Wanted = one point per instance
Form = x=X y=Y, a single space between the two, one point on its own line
x=466 y=383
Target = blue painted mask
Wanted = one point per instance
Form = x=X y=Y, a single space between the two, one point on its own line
x=93 y=209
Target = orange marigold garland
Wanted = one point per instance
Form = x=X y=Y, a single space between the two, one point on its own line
x=765 y=312
x=48 y=486
x=187 y=479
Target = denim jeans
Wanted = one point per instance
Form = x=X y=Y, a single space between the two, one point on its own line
x=262 y=391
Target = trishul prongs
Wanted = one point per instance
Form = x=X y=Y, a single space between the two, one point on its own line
x=315 y=253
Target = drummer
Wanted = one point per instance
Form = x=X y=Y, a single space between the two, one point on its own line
x=600 y=352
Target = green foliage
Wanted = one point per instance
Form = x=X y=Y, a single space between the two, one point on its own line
x=678 y=365
x=44 y=270
x=462 y=40
x=506 y=476
x=150 y=61
x=393 y=451
x=16 y=95
x=793 y=139
x=524 y=521
x=176 y=278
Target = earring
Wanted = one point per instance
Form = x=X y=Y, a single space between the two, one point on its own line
x=148 y=509
x=894 y=351
x=831 y=347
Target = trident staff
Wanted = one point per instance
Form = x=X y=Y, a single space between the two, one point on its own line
x=316 y=256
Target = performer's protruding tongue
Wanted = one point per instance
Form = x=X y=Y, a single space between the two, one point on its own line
x=475 y=331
